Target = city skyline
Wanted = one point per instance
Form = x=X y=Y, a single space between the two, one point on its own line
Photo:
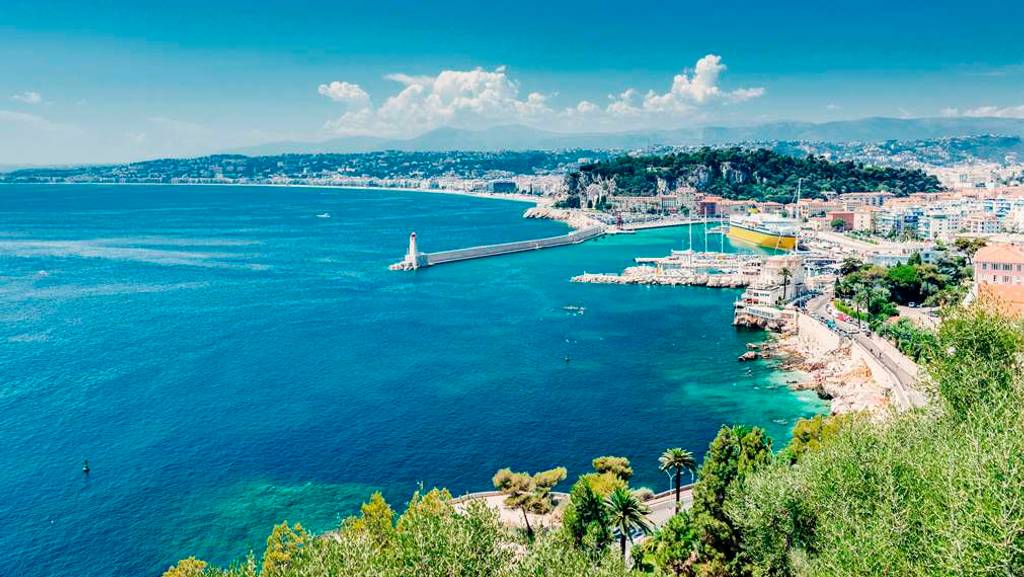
x=112 y=82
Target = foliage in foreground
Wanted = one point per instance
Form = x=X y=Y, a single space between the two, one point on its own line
x=927 y=493
x=429 y=539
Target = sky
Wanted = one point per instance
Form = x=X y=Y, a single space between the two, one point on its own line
x=115 y=80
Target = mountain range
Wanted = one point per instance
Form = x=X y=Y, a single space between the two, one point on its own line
x=518 y=137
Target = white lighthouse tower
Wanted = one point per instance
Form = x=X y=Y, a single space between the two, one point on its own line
x=412 y=257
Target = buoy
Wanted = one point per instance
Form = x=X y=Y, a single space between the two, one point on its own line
x=85 y=467
x=567 y=359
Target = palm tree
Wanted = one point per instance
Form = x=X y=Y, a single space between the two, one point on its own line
x=627 y=514
x=786 y=274
x=678 y=460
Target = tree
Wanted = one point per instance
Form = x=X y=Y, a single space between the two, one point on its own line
x=526 y=493
x=810 y=434
x=190 y=567
x=376 y=521
x=786 y=274
x=969 y=246
x=627 y=515
x=618 y=466
x=518 y=489
x=735 y=453
x=850 y=265
x=586 y=519
x=674 y=546
x=285 y=546
x=838 y=224
x=544 y=482
x=677 y=460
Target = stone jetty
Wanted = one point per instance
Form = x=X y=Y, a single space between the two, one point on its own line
x=646 y=275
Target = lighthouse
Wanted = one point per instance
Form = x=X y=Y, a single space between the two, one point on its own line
x=412 y=258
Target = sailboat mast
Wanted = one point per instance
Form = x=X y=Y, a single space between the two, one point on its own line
x=706 y=229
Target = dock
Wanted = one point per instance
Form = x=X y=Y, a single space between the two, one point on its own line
x=414 y=259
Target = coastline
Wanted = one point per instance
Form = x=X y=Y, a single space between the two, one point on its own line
x=542 y=205
x=513 y=197
x=833 y=373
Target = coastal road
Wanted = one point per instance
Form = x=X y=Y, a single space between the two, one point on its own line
x=905 y=391
x=663 y=505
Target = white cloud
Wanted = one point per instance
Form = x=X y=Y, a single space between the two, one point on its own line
x=26 y=120
x=351 y=94
x=479 y=98
x=691 y=91
x=28 y=97
x=987 y=111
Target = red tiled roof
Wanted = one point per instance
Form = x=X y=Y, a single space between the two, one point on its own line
x=1005 y=253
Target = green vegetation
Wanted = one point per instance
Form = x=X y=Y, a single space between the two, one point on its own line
x=738 y=173
x=925 y=493
x=913 y=341
x=937 y=491
x=627 y=515
x=677 y=460
x=871 y=292
x=529 y=494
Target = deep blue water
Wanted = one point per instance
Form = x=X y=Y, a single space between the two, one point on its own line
x=226 y=360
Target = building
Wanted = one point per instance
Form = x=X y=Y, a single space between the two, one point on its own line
x=939 y=225
x=708 y=206
x=844 y=216
x=851 y=200
x=981 y=223
x=864 y=219
x=504 y=186
x=999 y=264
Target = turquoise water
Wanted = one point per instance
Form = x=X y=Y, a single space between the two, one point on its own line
x=226 y=360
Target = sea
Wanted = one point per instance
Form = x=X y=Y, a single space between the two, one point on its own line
x=230 y=357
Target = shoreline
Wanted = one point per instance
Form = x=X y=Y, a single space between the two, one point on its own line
x=542 y=205
x=513 y=197
x=832 y=373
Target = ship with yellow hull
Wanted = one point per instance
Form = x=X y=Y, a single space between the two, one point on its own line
x=766 y=231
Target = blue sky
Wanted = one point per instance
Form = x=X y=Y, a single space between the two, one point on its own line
x=110 y=80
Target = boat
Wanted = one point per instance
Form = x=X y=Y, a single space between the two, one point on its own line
x=324 y=215
x=764 y=230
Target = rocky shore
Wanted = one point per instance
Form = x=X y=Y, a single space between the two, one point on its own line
x=833 y=374
x=574 y=218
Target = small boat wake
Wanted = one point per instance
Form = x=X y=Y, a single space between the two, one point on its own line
x=324 y=215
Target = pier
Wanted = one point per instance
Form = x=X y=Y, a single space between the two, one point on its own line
x=414 y=259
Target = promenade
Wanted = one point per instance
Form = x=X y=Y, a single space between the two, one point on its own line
x=662 y=507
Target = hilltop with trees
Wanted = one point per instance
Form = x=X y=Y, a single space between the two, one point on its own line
x=738 y=173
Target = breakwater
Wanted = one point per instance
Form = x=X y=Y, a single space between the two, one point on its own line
x=651 y=276
x=414 y=259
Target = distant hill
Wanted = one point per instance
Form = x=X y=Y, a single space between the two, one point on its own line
x=509 y=137
x=517 y=137
x=866 y=130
